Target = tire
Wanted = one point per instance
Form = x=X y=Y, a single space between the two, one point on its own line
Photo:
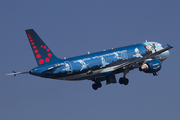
x=126 y=81
x=121 y=81
x=98 y=84
x=155 y=73
x=94 y=86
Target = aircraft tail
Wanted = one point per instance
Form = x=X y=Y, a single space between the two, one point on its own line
x=42 y=53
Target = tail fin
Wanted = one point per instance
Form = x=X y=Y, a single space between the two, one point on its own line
x=41 y=51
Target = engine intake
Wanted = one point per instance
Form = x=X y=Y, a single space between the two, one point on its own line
x=151 y=66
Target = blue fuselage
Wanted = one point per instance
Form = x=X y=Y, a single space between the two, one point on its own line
x=98 y=64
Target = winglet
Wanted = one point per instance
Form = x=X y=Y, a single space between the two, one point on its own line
x=169 y=46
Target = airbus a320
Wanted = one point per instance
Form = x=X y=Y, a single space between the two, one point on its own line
x=99 y=66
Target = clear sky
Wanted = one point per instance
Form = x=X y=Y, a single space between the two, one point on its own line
x=73 y=27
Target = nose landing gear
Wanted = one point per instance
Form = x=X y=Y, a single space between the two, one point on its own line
x=124 y=80
x=155 y=73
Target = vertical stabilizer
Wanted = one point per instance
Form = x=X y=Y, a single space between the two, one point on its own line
x=42 y=53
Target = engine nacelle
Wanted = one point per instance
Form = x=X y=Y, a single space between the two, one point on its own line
x=151 y=66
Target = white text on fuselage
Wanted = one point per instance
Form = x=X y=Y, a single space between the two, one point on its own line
x=118 y=54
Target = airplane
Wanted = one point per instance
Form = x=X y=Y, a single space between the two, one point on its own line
x=99 y=66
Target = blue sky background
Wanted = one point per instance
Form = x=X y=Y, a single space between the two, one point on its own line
x=72 y=28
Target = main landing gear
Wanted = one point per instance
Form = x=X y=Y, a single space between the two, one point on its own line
x=96 y=85
x=124 y=81
x=112 y=79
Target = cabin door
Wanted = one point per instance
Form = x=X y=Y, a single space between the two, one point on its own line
x=68 y=68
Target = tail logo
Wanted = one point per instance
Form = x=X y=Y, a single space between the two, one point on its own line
x=38 y=54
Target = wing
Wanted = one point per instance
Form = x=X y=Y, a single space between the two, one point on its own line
x=137 y=61
x=110 y=78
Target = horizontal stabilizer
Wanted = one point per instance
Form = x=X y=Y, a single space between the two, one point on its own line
x=16 y=73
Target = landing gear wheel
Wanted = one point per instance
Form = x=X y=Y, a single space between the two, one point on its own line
x=98 y=84
x=155 y=73
x=94 y=86
x=126 y=81
x=121 y=80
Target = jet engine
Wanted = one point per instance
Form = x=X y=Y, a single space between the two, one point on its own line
x=151 y=66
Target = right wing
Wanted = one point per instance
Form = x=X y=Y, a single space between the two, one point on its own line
x=137 y=61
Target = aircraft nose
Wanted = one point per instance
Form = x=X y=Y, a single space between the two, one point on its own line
x=168 y=53
x=164 y=55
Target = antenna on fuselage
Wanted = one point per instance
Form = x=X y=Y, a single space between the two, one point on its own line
x=88 y=52
x=64 y=57
x=145 y=40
